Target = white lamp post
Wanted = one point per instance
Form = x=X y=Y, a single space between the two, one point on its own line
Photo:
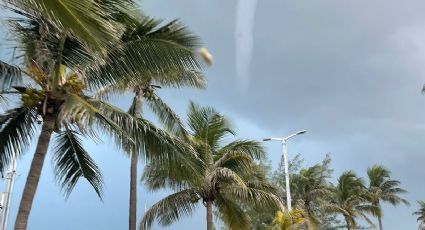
x=285 y=160
x=7 y=196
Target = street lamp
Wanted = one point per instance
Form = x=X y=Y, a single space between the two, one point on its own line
x=6 y=197
x=285 y=160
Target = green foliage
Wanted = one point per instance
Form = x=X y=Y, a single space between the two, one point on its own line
x=383 y=188
x=349 y=198
x=65 y=55
x=9 y=75
x=89 y=21
x=421 y=215
x=72 y=162
x=167 y=53
x=287 y=220
x=227 y=177
x=18 y=127
x=310 y=187
x=324 y=203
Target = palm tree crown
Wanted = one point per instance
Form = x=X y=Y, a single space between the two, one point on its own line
x=309 y=188
x=383 y=189
x=348 y=198
x=421 y=215
x=226 y=179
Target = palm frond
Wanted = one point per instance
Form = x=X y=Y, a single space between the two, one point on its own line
x=9 y=75
x=286 y=220
x=179 y=78
x=166 y=115
x=87 y=112
x=88 y=20
x=208 y=125
x=225 y=175
x=232 y=214
x=170 y=209
x=105 y=92
x=71 y=162
x=173 y=31
x=175 y=177
x=155 y=144
x=141 y=61
x=236 y=161
x=251 y=148
x=18 y=127
x=254 y=194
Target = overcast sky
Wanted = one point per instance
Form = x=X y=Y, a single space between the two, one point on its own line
x=350 y=72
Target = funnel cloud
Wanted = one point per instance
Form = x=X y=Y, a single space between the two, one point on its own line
x=245 y=16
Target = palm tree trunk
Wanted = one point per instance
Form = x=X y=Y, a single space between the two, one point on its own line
x=132 y=217
x=133 y=191
x=34 y=174
x=210 y=225
x=347 y=220
x=380 y=222
x=377 y=204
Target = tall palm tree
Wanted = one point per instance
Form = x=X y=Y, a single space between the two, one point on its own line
x=421 y=215
x=58 y=72
x=309 y=187
x=349 y=199
x=226 y=180
x=177 y=39
x=383 y=189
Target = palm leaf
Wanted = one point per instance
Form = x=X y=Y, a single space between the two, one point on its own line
x=250 y=148
x=170 y=209
x=155 y=144
x=72 y=162
x=9 y=75
x=208 y=125
x=87 y=20
x=166 y=115
x=254 y=194
x=225 y=175
x=176 y=177
x=173 y=31
x=236 y=161
x=232 y=214
x=17 y=130
x=143 y=60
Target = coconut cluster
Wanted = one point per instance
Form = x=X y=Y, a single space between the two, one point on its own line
x=149 y=93
x=32 y=97
x=74 y=84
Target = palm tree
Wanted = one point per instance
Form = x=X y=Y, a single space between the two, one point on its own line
x=287 y=220
x=421 y=215
x=182 y=43
x=349 y=199
x=309 y=187
x=383 y=189
x=226 y=179
x=58 y=72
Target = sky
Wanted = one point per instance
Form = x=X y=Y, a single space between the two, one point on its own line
x=350 y=72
